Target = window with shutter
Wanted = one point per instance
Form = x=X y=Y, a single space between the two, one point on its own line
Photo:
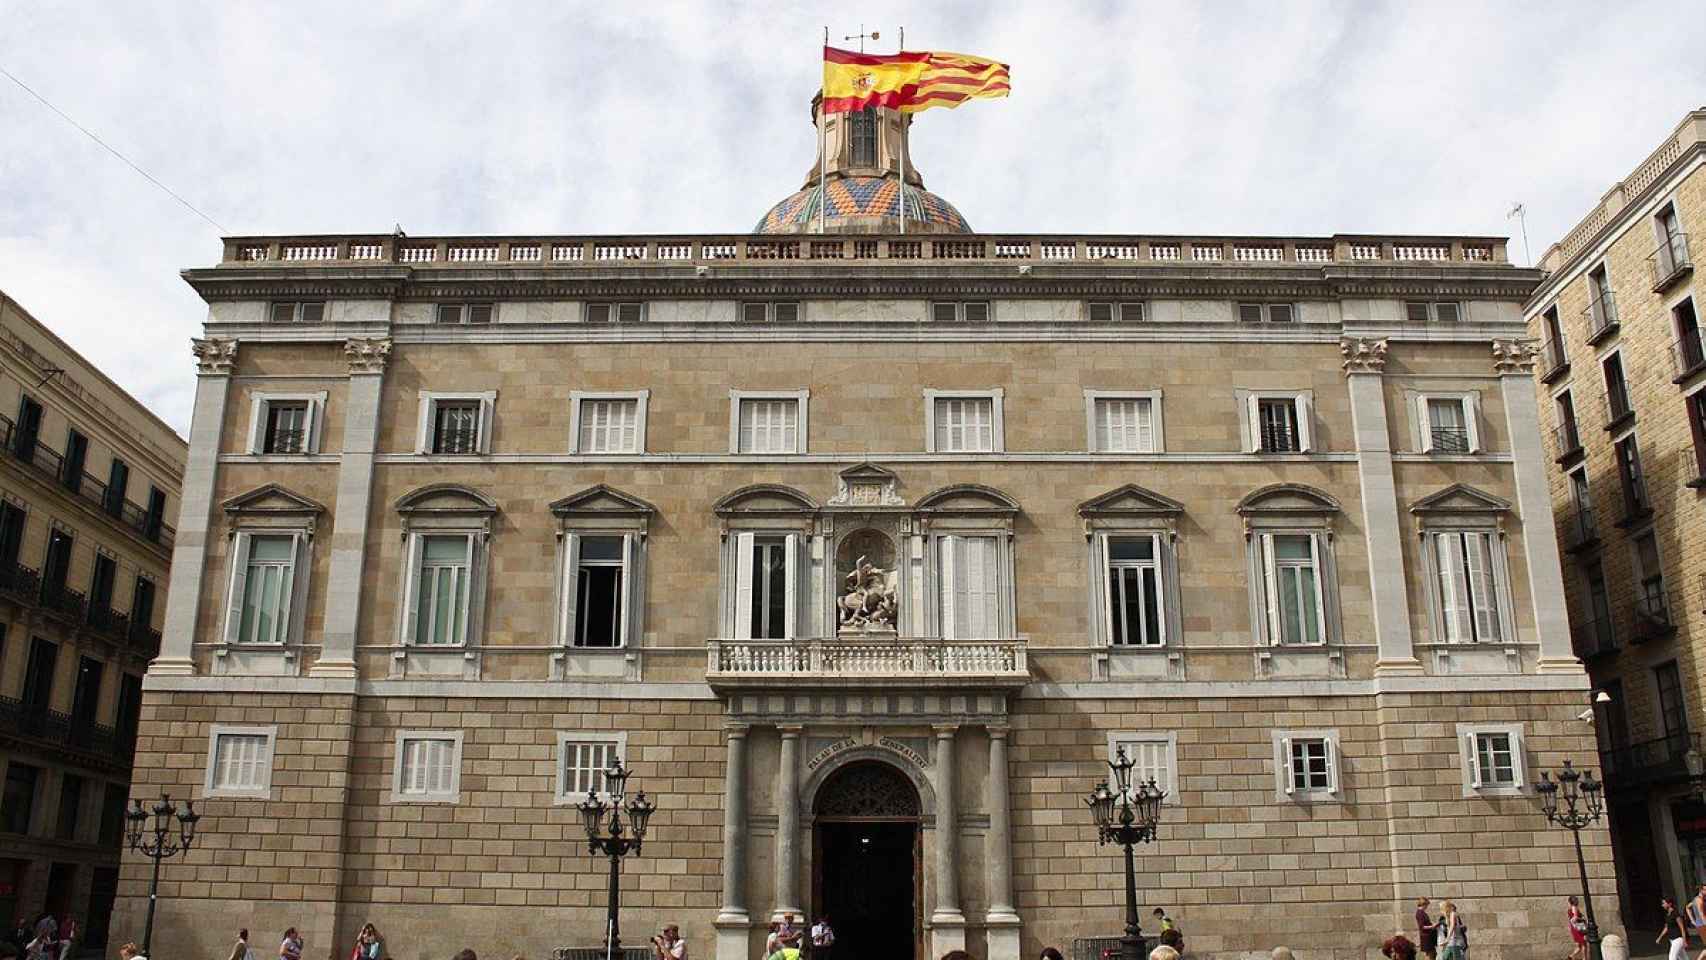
x=1134 y=591
x=240 y=762
x=767 y=592
x=944 y=312
x=970 y=598
x=965 y=424
x=456 y=426
x=1250 y=313
x=267 y=584
x=1292 y=572
x=441 y=589
x=287 y=426
x=1311 y=765
x=629 y=312
x=769 y=426
x=609 y=426
x=1467 y=587
x=600 y=575
x=786 y=311
x=755 y=312
x=1279 y=313
x=1447 y=312
x=1101 y=312
x=582 y=759
x=598 y=313
x=1153 y=759
x=427 y=767
x=1447 y=425
x=283 y=312
x=1277 y=425
x=1131 y=311
x=450 y=313
x=975 y=311
x=1124 y=425
x=1416 y=311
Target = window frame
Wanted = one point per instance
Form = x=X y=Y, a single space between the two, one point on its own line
x=296 y=310
x=448 y=797
x=960 y=310
x=293 y=612
x=569 y=618
x=739 y=545
x=640 y=398
x=771 y=311
x=1285 y=788
x=1468 y=746
x=1694 y=408
x=210 y=787
x=1266 y=309
x=995 y=396
x=1431 y=307
x=1158 y=442
x=1250 y=420
x=429 y=401
x=1117 y=312
x=1469 y=402
x=259 y=411
x=1498 y=559
x=801 y=399
x=560 y=794
x=600 y=511
x=462 y=512
x=1168 y=738
x=1291 y=510
x=614 y=311
x=464 y=310
x=1614 y=419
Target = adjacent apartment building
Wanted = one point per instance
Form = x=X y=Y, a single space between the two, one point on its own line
x=88 y=478
x=1623 y=373
x=864 y=549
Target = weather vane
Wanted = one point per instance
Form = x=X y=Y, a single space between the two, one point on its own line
x=862 y=36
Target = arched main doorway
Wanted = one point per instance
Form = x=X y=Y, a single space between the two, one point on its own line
x=866 y=856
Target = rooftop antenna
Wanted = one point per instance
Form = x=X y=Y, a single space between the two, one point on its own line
x=1520 y=212
x=862 y=36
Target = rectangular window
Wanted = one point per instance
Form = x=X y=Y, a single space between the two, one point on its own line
x=769 y=600
x=970 y=588
x=582 y=759
x=1650 y=603
x=1634 y=483
x=11 y=534
x=1134 y=591
x=267 y=584
x=1309 y=765
x=118 y=480
x=599 y=580
x=779 y=311
x=1448 y=425
x=1696 y=407
x=441 y=589
x=1436 y=311
x=1602 y=308
x=1266 y=312
x=1569 y=436
x=1292 y=567
x=862 y=137
x=86 y=696
x=1468 y=588
x=1689 y=354
x=1611 y=717
x=967 y=311
x=465 y=312
x=1616 y=390
x=154 y=521
x=456 y=426
x=1106 y=311
x=427 y=767
x=302 y=311
x=627 y=312
x=1124 y=425
x=964 y=424
x=70 y=807
x=56 y=566
x=142 y=605
x=609 y=426
x=101 y=583
x=76 y=458
x=1673 y=713
x=113 y=803
x=286 y=427
x=769 y=425
x=239 y=762
x=1277 y=426
x=38 y=674
x=1153 y=756
x=17 y=806
x=1494 y=759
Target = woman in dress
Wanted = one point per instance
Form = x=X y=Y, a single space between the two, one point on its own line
x=1578 y=930
x=290 y=948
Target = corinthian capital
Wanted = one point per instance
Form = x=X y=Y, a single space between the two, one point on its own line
x=1514 y=357
x=215 y=355
x=1362 y=356
x=367 y=354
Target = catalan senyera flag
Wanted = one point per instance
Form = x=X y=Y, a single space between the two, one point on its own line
x=908 y=81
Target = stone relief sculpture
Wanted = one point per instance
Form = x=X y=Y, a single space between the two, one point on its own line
x=868 y=601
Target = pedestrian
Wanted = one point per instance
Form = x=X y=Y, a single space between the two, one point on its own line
x=1578 y=925
x=1696 y=910
x=1051 y=953
x=368 y=943
x=1427 y=931
x=1453 y=933
x=240 y=950
x=1163 y=952
x=290 y=947
x=823 y=937
x=129 y=952
x=772 y=943
x=1675 y=930
x=466 y=954
x=789 y=933
x=669 y=945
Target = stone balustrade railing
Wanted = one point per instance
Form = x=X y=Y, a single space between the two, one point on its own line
x=761 y=662
x=606 y=252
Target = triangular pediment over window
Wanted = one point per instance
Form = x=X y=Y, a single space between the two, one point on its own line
x=1460 y=499
x=273 y=500
x=603 y=501
x=1130 y=500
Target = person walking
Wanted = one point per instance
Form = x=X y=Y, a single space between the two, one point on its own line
x=1675 y=930
x=240 y=950
x=290 y=947
x=1427 y=931
x=1696 y=911
x=1453 y=933
x=368 y=944
x=669 y=945
x=1578 y=925
x=823 y=938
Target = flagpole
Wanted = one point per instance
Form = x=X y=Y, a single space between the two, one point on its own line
x=903 y=142
x=822 y=147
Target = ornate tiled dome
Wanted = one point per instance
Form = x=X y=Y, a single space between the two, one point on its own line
x=852 y=199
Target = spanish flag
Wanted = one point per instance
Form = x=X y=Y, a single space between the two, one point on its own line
x=907 y=81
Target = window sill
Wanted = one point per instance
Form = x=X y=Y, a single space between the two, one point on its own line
x=1689 y=374
x=1624 y=419
x=1570 y=457
x=1556 y=373
x=414 y=801
x=1698 y=483
x=1666 y=282
x=237 y=794
x=1634 y=518
x=1604 y=333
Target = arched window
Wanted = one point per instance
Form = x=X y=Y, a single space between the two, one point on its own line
x=864 y=137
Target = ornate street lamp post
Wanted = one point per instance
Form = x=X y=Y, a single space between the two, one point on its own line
x=164 y=846
x=611 y=838
x=1582 y=805
x=1127 y=815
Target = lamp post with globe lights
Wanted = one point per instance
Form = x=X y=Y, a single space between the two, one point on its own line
x=1127 y=815
x=614 y=839
x=163 y=846
x=1573 y=801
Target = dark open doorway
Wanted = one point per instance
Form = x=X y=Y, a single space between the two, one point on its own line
x=866 y=861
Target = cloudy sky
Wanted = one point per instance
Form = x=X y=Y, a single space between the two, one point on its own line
x=519 y=117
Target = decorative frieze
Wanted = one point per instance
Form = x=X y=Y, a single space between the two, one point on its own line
x=367 y=354
x=1363 y=355
x=1515 y=357
x=214 y=356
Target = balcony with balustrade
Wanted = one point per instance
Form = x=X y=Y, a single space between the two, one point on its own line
x=48 y=465
x=1650 y=763
x=1567 y=440
x=1581 y=531
x=1554 y=360
x=23 y=586
x=1670 y=262
x=866 y=663
x=1650 y=617
x=1615 y=405
x=1687 y=355
x=33 y=725
x=1595 y=638
x=1446 y=439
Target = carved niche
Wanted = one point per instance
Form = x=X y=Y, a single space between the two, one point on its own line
x=868 y=599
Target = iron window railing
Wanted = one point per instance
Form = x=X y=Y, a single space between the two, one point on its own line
x=1670 y=260
x=1568 y=438
x=1602 y=316
x=1688 y=354
x=1595 y=638
x=63 y=731
x=49 y=464
x=1450 y=439
x=1580 y=529
x=1651 y=617
x=1649 y=761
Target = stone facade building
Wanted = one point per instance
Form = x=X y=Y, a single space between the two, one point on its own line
x=88 y=478
x=864 y=549
x=1623 y=374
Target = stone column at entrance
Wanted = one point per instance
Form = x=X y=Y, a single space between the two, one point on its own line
x=1001 y=924
x=948 y=923
x=732 y=922
x=788 y=826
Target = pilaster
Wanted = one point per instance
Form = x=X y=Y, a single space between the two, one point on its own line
x=1365 y=367
x=215 y=357
x=367 y=359
x=1513 y=361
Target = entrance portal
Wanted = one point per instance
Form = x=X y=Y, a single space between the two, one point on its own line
x=867 y=861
